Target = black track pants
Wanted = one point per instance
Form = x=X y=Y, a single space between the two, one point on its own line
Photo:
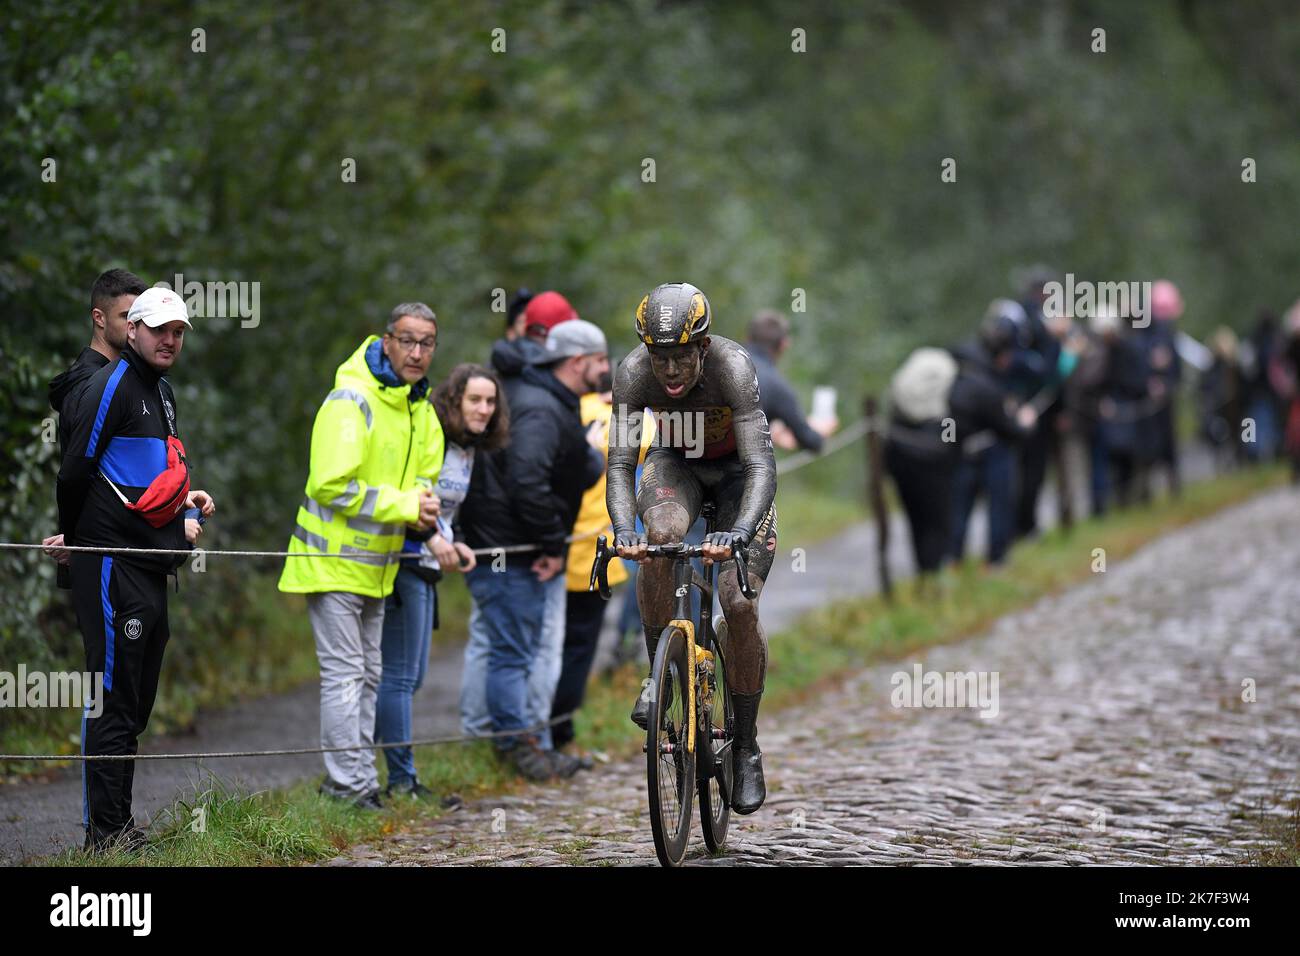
x=122 y=613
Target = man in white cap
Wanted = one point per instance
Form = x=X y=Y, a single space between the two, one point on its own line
x=125 y=483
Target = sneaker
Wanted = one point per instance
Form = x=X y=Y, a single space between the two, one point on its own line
x=370 y=801
x=131 y=841
x=414 y=791
x=564 y=764
x=530 y=760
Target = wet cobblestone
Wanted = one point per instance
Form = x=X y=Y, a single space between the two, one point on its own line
x=1121 y=737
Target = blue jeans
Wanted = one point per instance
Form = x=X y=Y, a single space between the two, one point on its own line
x=1267 y=432
x=992 y=472
x=475 y=720
x=544 y=676
x=408 y=631
x=475 y=717
x=512 y=606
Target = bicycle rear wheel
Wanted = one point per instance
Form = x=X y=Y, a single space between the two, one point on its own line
x=670 y=769
x=715 y=807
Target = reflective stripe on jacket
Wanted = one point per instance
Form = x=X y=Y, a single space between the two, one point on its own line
x=371 y=452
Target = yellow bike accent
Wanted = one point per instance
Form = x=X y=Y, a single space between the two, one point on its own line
x=689 y=629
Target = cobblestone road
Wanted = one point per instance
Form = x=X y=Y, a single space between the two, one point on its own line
x=1121 y=736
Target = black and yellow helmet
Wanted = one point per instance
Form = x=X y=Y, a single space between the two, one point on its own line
x=674 y=313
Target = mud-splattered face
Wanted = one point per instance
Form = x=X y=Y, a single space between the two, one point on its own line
x=678 y=368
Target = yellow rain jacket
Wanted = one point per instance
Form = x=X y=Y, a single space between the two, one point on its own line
x=372 y=450
x=593 y=518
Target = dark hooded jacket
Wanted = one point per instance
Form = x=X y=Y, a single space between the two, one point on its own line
x=67 y=386
x=530 y=491
x=980 y=398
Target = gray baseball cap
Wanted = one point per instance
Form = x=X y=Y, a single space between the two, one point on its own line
x=573 y=337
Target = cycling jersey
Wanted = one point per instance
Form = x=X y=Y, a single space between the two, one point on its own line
x=719 y=421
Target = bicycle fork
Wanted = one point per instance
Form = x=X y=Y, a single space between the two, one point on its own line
x=682 y=577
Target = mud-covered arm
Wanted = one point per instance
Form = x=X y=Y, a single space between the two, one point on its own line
x=624 y=447
x=753 y=443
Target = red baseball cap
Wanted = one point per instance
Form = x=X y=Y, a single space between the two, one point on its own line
x=546 y=310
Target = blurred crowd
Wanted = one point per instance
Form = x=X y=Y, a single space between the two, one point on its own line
x=1095 y=398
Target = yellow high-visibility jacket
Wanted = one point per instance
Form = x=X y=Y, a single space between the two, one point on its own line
x=372 y=450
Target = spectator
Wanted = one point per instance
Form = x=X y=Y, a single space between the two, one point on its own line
x=988 y=423
x=584 y=610
x=529 y=492
x=510 y=356
x=124 y=482
x=376 y=449
x=1219 y=395
x=515 y=352
x=111 y=298
x=515 y=314
x=1287 y=365
x=922 y=454
x=1264 y=405
x=543 y=312
x=476 y=416
x=411 y=610
x=769 y=337
x=1112 y=394
x=1035 y=372
x=1158 y=434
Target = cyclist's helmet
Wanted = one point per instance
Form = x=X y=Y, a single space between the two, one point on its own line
x=674 y=313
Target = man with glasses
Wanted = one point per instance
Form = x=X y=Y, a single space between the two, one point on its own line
x=376 y=450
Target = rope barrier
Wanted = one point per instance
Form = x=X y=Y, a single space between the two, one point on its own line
x=389 y=559
x=794 y=463
x=842 y=439
x=430 y=742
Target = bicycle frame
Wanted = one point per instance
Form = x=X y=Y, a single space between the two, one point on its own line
x=684 y=578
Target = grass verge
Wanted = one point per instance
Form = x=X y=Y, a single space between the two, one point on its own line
x=295 y=825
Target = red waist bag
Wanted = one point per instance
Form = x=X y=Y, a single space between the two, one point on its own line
x=165 y=497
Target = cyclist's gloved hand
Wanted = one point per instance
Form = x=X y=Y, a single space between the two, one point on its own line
x=630 y=545
x=731 y=541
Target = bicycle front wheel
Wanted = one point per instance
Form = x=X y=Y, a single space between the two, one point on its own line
x=715 y=790
x=670 y=769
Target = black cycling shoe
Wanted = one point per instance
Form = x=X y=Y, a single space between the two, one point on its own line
x=641 y=711
x=748 y=791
